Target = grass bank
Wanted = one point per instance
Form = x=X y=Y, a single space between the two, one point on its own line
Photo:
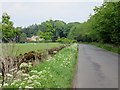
x=56 y=72
x=108 y=47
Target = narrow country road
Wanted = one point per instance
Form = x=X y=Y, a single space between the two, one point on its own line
x=96 y=68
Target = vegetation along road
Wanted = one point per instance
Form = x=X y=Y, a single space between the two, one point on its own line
x=96 y=68
x=39 y=51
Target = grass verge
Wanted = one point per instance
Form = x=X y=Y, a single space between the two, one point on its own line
x=56 y=72
x=108 y=47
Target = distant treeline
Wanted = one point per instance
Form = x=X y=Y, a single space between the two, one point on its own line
x=103 y=26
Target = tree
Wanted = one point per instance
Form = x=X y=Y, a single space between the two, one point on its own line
x=51 y=29
x=7 y=28
x=23 y=38
x=103 y=26
x=17 y=32
x=68 y=27
x=107 y=23
x=9 y=33
x=30 y=30
x=59 y=28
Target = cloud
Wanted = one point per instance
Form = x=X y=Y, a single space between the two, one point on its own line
x=26 y=13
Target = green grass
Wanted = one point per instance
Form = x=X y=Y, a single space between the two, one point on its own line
x=11 y=49
x=62 y=68
x=108 y=47
x=56 y=72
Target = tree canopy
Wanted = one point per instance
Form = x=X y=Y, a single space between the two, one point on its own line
x=9 y=32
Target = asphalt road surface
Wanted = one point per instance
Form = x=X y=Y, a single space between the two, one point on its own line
x=96 y=68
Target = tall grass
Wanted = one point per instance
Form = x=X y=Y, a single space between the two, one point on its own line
x=18 y=48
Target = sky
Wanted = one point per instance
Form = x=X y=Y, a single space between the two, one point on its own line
x=24 y=13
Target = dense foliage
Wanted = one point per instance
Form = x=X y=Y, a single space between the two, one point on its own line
x=49 y=30
x=103 y=26
x=107 y=22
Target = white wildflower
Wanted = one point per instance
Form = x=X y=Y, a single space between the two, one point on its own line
x=30 y=66
x=51 y=75
x=19 y=72
x=38 y=83
x=34 y=71
x=0 y=85
x=48 y=68
x=16 y=85
x=40 y=72
x=26 y=78
x=49 y=60
x=22 y=83
x=30 y=77
x=15 y=81
x=34 y=76
x=0 y=74
x=61 y=65
x=28 y=87
x=25 y=75
x=30 y=81
x=55 y=52
x=20 y=86
x=44 y=71
x=12 y=83
x=14 y=69
x=22 y=65
x=32 y=84
x=5 y=84
x=9 y=75
x=30 y=63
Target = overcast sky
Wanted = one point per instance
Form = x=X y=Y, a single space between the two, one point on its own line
x=27 y=13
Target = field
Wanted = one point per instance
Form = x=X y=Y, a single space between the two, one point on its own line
x=16 y=49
